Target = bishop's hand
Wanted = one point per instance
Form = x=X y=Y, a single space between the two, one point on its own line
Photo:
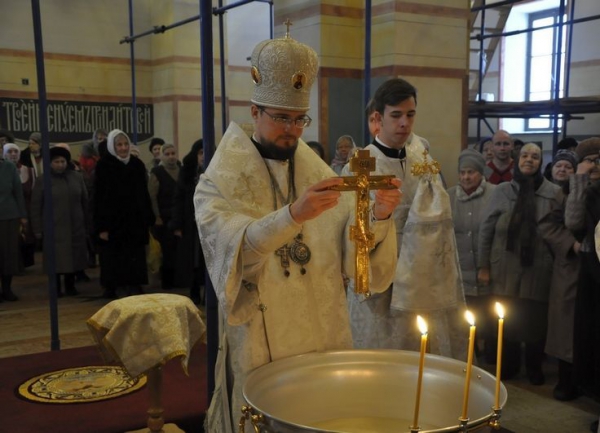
x=386 y=200
x=315 y=200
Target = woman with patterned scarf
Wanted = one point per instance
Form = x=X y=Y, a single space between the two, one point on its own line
x=517 y=263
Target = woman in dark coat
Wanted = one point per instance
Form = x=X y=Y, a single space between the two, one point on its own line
x=122 y=217
x=70 y=201
x=161 y=186
x=12 y=219
x=563 y=288
x=189 y=266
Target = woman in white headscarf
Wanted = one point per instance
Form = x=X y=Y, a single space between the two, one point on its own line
x=344 y=149
x=122 y=217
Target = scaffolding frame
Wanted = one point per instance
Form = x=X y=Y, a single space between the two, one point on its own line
x=555 y=108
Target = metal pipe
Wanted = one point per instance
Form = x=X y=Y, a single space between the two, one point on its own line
x=49 y=240
x=568 y=60
x=367 y=70
x=517 y=32
x=133 y=95
x=557 y=75
x=272 y=18
x=159 y=29
x=208 y=134
x=481 y=65
x=494 y=5
x=221 y=10
x=222 y=72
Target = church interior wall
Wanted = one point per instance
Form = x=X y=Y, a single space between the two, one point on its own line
x=584 y=70
x=424 y=42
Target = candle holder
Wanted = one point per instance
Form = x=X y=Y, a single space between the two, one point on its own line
x=463 y=424
x=495 y=420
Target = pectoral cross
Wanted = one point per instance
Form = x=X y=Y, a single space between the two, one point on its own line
x=362 y=163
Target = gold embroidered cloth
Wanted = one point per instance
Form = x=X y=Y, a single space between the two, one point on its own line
x=141 y=332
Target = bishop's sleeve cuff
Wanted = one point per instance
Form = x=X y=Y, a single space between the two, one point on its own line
x=270 y=232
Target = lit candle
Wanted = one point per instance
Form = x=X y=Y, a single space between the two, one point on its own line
x=471 y=319
x=423 y=328
x=500 y=312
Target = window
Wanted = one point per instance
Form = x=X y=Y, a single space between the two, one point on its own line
x=542 y=64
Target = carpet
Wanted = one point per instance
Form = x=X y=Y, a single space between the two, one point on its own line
x=80 y=385
x=184 y=398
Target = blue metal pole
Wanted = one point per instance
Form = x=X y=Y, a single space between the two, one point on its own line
x=134 y=116
x=482 y=57
x=222 y=63
x=272 y=17
x=558 y=60
x=568 y=60
x=367 y=71
x=208 y=134
x=49 y=244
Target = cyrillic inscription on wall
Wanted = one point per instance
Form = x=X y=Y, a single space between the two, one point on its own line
x=73 y=121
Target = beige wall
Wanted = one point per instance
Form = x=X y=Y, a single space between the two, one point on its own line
x=423 y=42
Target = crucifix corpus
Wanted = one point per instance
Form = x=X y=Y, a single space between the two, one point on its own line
x=362 y=163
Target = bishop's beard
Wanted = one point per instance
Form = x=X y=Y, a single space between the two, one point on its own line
x=272 y=151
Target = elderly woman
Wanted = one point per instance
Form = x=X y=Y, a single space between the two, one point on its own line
x=563 y=166
x=190 y=267
x=344 y=149
x=468 y=200
x=69 y=203
x=32 y=156
x=516 y=261
x=563 y=288
x=122 y=217
x=161 y=187
x=12 y=218
x=12 y=153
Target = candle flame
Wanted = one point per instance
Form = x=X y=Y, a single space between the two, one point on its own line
x=470 y=318
x=500 y=310
x=422 y=324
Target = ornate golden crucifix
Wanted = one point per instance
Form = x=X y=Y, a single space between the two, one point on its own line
x=362 y=163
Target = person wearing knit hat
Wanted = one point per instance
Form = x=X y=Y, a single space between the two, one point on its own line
x=69 y=198
x=582 y=214
x=564 y=164
x=565 y=275
x=468 y=200
x=32 y=156
x=264 y=206
x=588 y=152
x=122 y=217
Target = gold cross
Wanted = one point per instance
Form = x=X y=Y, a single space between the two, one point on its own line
x=362 y=163
x=287 y=23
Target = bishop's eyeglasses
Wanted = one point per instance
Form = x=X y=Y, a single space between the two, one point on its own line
x=300 y=122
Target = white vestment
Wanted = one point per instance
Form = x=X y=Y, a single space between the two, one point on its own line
x=267 y=316
x=427 y=280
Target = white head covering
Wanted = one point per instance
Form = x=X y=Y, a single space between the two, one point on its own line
x=8 y=146
x=110 y=145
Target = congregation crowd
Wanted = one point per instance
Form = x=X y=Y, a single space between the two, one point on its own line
x=106 y=206
x=512 y=230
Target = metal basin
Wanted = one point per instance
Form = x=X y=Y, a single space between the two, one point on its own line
x=367 y=391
